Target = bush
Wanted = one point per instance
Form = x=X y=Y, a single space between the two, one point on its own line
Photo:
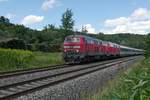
x=14 y=59
x=13 y=43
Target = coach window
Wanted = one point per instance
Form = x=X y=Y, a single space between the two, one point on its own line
x=85 y=41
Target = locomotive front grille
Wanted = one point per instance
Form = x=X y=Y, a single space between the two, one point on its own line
x=71 y=56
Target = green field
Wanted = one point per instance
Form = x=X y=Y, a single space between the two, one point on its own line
x=20 y=59
x=134 y=84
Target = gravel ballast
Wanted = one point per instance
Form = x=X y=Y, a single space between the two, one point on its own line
x=76 y=88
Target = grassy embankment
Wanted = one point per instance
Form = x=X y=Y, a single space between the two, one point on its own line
x=20 y=59
x=134 y=84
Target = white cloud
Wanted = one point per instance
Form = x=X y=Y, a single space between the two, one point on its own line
x=47 y=4
x=10 y=15
x=138 y=22
x=89 y=28
x=140 y=14
x=117 y=21
x=32 y=19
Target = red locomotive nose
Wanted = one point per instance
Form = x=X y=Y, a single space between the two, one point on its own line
x=72 y=44
x=73 y=48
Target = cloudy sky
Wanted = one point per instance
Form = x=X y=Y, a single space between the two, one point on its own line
x=108 y=16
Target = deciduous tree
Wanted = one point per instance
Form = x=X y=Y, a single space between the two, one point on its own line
x=67 y=21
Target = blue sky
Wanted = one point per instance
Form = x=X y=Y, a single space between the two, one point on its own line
x=108 y=16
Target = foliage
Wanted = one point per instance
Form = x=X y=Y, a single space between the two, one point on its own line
x=33 y=38
x=67 y=21
x=12 y=43
x=147 y=54
x=50 y=27
x=134 y=85
x=84 y=30
x=4 y=20
x=46 y=59
x=13 y=59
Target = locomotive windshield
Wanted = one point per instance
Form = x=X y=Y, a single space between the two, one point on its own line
x=72 y=39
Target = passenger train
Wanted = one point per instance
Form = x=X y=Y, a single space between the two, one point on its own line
x=81 y=48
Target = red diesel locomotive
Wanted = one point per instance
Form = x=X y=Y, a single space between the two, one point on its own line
x=80 y=48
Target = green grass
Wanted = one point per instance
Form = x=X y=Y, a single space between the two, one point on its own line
x=134 y=84
x=19 y=59
x=46 y=59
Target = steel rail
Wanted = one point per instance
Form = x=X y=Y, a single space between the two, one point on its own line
x=30 y=71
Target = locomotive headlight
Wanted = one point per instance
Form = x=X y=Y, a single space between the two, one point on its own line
x=75 y=47
x=66 y=46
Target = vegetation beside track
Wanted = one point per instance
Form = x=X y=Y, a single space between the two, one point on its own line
x=11 y=59
x=42 y=59
x=134 y=84
x=14 y=59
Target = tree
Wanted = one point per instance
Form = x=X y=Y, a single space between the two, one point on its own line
x=4 y=20
x=84 y=29
x=67 y=21
x=49 y=27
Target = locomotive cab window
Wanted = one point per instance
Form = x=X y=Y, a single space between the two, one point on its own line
x=72 y=39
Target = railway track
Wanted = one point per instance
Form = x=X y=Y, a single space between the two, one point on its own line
x=24 y=87
x=28 y=71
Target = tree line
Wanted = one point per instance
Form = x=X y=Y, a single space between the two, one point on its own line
x=51 y=38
